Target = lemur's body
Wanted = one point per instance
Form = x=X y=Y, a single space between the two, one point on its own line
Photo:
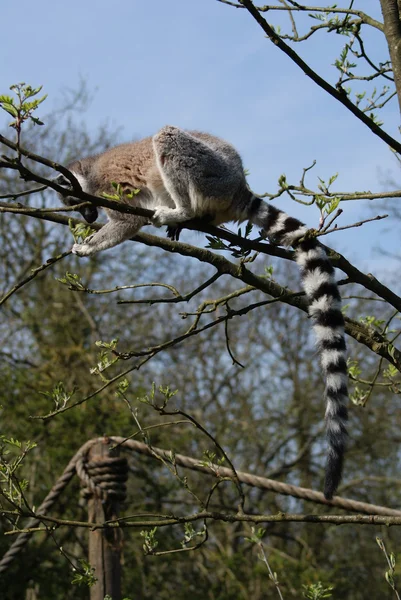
x=184 y=175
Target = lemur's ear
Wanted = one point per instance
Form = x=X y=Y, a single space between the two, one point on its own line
x=89 y=213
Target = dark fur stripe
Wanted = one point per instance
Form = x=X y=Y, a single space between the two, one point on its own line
x=321 y=264
x=342 y=413
x=330 y=318
x=334 y=467
x=308 y=244
x=337 y=367
x=336 y=391
x=326 y=289
x=291 y=224
x=254 y=206
x=273 y=215
x=336 y=343
x=335 y=442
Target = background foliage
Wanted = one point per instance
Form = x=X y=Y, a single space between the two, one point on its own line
x=267 y=416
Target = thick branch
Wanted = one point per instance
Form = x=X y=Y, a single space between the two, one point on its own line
x=363 y=17
x=392 y=31
x=338 y=95
x=373 y=340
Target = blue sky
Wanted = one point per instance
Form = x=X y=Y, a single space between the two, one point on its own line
x=204 y=65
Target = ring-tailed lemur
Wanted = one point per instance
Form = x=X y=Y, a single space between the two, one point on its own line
x=184 y=175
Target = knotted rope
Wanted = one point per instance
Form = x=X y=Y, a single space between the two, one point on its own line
x=106 y=477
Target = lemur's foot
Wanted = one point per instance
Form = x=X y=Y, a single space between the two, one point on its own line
x=173 y=232
x=164 y=216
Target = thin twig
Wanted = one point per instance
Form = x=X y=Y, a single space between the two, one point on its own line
x=338 y=95
x=24 y=193
x=359 y=224
x=364 y=17
x=235 y=361
x=272 y=575
x=50 y=262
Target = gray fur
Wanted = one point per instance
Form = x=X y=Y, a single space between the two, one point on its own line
x=184 y=175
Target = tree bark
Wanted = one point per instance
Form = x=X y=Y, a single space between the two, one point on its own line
x=392 y=31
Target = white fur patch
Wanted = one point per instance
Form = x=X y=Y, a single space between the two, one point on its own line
x=330 y=357
x=326 y=334
x=279 y=225
x=81 y=180
x=324 y=304
x=332 y=407
x=83 y=249
x=335 y=381
x=288 y=238
x=333 y=426
x=293 y=236
x=302 y=258
x=169 y=216
x=314 y=279
x=262 y=216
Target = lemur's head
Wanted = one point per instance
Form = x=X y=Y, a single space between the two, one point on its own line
x=89 y=213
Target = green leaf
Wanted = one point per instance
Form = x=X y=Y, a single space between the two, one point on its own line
x=8 y=99
x=10 y=108
x=389 y=578
x=333 y=205
x=30 y=91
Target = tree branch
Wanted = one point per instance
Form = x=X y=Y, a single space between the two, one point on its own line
x=338 y=95
x=134 y=522
x=370 y=338
x=392 y=31
x=296 y=7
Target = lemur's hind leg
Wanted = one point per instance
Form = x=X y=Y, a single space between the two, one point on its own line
x=191 y=171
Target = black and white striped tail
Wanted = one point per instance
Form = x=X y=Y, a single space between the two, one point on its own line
x=328 y=322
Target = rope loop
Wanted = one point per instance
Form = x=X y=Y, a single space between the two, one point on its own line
x=104 y=477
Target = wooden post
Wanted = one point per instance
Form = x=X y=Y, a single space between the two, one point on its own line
x=105 y=545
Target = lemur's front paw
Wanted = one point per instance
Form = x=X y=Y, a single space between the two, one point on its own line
x=82 y=249
x=162 y=216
